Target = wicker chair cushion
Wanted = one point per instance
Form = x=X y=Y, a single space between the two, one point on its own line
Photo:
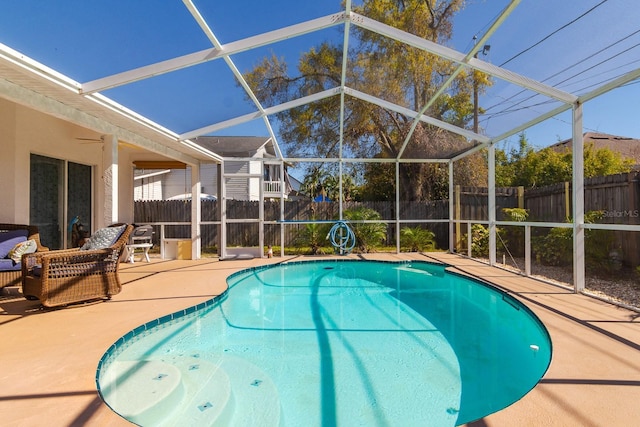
x=103 y=238
x=9 y=239
x=7 y=264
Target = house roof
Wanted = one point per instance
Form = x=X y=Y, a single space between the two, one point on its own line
x=627 y=147
x=236 y=146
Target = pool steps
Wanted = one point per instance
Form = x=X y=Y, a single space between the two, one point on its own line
x=256 y=397
x=235 y=392
x=142 y=390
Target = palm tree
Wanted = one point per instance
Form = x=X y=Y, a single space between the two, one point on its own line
x=368 y=235
x=313 y=182
x=417 y=239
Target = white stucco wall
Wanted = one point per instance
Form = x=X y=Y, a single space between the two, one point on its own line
x=23 y=132
x=9 y=211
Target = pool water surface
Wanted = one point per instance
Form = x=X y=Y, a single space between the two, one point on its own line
x=331 y=343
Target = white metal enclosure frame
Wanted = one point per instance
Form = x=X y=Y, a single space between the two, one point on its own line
x=180 y=145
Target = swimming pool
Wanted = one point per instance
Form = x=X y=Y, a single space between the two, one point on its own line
x=338 y=342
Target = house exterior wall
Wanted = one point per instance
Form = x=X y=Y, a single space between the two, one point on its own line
x=254 y=183
x=24 y=131
x=237 y=188
x=148 y=188
x=13 y=182
x=174 y=183
x=209 y=178
x=126 y=156
x=177 y=181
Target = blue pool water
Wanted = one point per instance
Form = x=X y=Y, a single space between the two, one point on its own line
x=331 y=343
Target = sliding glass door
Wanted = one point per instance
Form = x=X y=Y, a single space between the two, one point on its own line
x=60 y=191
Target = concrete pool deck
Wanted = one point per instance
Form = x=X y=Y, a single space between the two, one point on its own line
x=48 y=357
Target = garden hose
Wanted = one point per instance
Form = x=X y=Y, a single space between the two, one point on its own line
x=342 y=238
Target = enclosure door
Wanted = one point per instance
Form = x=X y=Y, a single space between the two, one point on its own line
x=60 y=191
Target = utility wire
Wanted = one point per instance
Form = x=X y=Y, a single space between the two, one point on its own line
x=599 y=83
x=511 y=108
x=531 y=107
x=589 y=56
x=471 y=43
x=553 y=33
x=599 y=63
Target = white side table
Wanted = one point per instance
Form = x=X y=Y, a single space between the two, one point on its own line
x=131 y=249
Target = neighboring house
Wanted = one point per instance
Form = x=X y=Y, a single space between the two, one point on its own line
x=626 y=147
x=152 y=183
x=296 y=185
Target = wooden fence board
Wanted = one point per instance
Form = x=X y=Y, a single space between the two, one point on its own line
x=616 y=195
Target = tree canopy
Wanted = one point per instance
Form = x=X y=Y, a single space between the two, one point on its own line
x=530 y=168
x=318 y=182
x=389 y=70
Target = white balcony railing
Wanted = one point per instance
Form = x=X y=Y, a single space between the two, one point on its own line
x=272 y=188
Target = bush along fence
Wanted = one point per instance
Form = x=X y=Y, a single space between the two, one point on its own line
x=615 y=197
x=611 y=199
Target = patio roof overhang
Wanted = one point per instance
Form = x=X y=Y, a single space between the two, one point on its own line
x=29 y=83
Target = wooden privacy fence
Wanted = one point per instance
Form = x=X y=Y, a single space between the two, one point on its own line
x=472 y=203
x=245 y=233
x=616 y=195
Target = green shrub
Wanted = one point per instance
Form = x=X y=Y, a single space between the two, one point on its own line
x=313 y=236
x=556 y=248
x=516 y=214
x=512 y=238
x=417 y=239
x=479 y=240
x=368 y=235
x=599 y=247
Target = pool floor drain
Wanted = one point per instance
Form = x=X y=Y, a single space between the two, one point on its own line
x=205 y=406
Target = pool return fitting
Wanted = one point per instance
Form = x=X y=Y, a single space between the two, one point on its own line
x=342 y=238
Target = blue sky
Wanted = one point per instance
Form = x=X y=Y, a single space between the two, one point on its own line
x=532 y=21
x=90 y=40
